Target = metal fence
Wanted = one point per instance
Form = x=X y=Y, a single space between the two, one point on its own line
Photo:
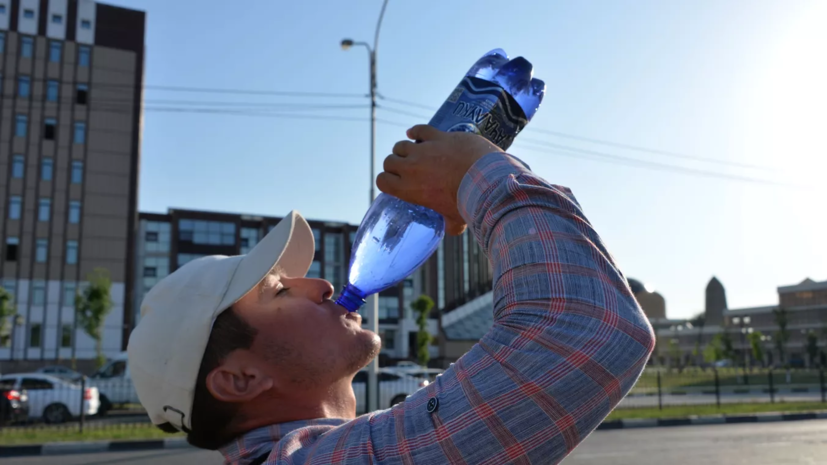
x=29 y=403
x=694 y=386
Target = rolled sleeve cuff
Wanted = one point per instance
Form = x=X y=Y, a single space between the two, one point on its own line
x=487 y=172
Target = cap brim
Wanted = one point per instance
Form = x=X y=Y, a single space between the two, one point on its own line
x=290 y=245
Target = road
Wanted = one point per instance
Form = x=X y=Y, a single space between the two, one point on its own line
x=789 y=443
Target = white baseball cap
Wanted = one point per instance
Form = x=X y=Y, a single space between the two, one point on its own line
x=177 y=315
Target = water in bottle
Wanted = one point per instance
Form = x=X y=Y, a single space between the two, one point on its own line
x=496 y=99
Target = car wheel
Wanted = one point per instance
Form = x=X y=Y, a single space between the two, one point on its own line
x=398 y=399
x=56 y=413
x=105 y=405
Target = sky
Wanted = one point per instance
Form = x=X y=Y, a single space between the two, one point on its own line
x=740 y=82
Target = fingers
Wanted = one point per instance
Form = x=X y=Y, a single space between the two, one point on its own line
x=389 y=183
x=393 y=164
x=403 y=148
x=423 y=132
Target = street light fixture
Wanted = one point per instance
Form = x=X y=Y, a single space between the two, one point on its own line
x=372 y=305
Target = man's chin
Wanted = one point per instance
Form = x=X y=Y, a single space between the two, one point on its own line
x=366 y=349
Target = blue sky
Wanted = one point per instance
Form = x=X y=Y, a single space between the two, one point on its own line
x=737 y=81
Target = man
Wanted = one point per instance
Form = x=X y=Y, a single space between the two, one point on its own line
x=247 y=356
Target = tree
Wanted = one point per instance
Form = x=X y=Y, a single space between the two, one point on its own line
x=812 y=347
x=6 y=311
x=422 y=306
x=714 y=351
x=757 y=349
x=674 y=351
x=727 y=347
x=782 y=336
x=91 y=307
x=698 y=321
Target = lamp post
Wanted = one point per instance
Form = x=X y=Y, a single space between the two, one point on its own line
x=372 y=300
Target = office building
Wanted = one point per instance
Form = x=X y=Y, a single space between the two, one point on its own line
x=70 y=119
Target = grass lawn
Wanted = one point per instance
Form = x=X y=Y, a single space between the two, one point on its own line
x=41 y=435
x=726 y=378
x=683 y=411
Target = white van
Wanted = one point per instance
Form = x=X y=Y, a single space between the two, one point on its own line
x=114 y=384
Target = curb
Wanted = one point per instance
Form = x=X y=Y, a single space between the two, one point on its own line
x=62 y=448
x=710 y=420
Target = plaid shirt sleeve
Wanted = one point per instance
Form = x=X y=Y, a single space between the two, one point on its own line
x=568 y=341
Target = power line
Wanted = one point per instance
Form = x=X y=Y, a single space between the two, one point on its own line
x=407 y=102
x=403 y=112
x=617 y=159
x=253 y=92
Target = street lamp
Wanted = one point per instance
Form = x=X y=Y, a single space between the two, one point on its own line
x=372 y=306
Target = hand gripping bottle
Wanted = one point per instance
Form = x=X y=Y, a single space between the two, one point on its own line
x=496 y=99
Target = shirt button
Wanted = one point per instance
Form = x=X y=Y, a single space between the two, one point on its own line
x=433 y=404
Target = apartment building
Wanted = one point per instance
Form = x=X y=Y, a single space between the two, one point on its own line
x=71 y=79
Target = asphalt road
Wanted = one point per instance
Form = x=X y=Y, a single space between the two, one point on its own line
x=788 y=443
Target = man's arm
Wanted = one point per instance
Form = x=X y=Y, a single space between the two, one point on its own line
x=568 y=341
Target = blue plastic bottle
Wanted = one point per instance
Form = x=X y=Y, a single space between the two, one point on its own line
x=496 y=99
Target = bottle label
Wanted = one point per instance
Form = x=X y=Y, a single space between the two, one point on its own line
x=484 y=108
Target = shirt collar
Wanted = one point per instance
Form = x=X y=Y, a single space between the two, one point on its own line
x=257 y=442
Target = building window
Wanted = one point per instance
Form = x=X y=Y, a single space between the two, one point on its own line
x=12 y=246
x=315 y=270
x=3 y=35
x=206 y=232
x=24 y=84
x=77 y=172
x=388 y=307
x=84 y=55
x=52 y=91
x=38 y=292
x=74 y=211
x=49 y=128
x=21 y=127
x=150 y=272
x=85 y=24
x=44 y=209
x=80 y=132
x=34 y=335
x=10 y=286
x=71 y=252
x=184 y=258
x=57 y=19
x=2 y=8
x=249 y=239
x=334 y=259
x=41 y=251
x=389 y=339
x=17 y=166
x=66 y=336
x=28 y=13
x=15 y=205
x=69 y=292
x=26 y=47
x=81 y=93
x=55 y=49
x=317 y=239
x=157 y=236
x=46 y=169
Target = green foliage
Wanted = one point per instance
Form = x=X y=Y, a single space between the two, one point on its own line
x=720 y=348
x=755 y=343
x=91 y=307
x=782 y=336
x=6 y=313
x=422 y=306
x=811 y=347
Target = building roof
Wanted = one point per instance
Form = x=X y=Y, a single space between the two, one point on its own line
x=470 y=321
x=806 y=285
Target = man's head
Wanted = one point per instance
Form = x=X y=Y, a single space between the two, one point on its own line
x=227 y=344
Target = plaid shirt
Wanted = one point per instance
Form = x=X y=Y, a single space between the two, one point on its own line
x=568 y=342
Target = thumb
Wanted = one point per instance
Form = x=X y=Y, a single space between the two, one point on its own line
x=423 y=132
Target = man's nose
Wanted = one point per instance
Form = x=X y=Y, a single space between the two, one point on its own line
x=317 y=290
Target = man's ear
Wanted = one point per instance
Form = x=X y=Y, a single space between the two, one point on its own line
x=237 y=379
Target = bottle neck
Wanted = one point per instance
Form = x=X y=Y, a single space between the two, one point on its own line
x=351 y=298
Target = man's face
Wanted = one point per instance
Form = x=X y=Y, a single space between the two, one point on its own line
x=303 y=338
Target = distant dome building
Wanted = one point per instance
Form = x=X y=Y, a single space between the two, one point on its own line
x=652 y=303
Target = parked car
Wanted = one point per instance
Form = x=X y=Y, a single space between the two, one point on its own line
x=53 y=399
x=61 y=372
x=393 y=388
x=14 y=404
x=114 y=383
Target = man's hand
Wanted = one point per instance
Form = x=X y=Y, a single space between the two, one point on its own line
x=429 y=172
